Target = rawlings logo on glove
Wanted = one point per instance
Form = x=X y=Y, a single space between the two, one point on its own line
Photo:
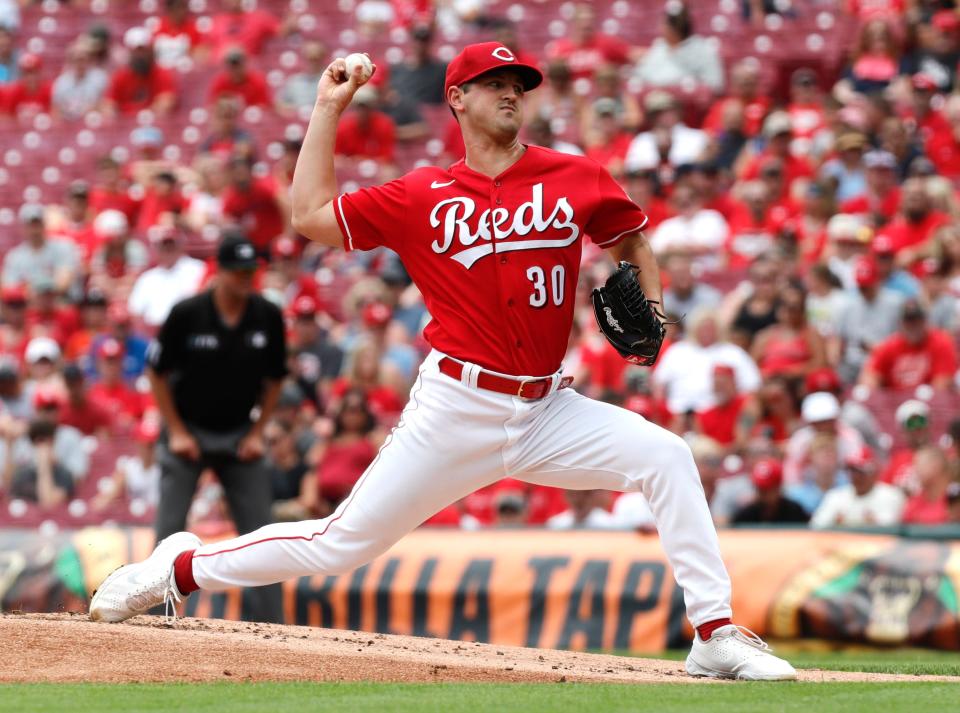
x=627 y=318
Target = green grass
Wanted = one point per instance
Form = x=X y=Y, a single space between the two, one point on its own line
x=444 y=698
x=905 y=661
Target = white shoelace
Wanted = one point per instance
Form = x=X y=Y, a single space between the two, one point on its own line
x=171 y=598
x=750 y=638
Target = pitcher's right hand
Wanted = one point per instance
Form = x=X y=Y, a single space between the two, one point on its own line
x=336 y=88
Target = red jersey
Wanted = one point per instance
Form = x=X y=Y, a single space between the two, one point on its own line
x=249 y=30
x=907 y=235
x=584 y=59
x=899 y=470
x=867 y=204
x=20 y=98
x=252 y=89
x=794 y=167
x=496 y=258
x=88 y=417
x=611 y=155
x=117 y=399
x=132 y=92
x=901 y=365
x=176 y=40
x=154 y=206
x=944 y=151
x=256 y=210
x=920 y=511
x=720 y=421
x=376 y=140
x=102 y=199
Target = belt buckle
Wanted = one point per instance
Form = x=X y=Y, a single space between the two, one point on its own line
x=544 y=382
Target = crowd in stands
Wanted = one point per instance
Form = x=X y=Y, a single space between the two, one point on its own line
x=805 y=215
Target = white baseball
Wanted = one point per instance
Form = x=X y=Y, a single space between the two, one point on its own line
x=359 y=60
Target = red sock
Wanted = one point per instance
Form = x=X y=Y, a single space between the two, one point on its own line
x=183 y=573
x=705 y=630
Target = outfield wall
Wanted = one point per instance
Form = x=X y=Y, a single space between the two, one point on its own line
x=574 y=590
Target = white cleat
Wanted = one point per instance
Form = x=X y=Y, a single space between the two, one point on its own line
x=136 y=588
x=736 y=652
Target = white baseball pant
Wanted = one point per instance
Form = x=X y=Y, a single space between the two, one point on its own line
x=453 y=439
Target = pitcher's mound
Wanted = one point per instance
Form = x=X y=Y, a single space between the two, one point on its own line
x=68 y=647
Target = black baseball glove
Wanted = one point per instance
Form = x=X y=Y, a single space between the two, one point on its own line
x=627 y=318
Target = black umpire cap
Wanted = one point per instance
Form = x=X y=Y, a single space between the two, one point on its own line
x=236 y=253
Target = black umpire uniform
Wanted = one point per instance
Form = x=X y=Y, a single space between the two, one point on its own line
x=216 y=368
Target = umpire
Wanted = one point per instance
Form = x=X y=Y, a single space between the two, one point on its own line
x=216 y=369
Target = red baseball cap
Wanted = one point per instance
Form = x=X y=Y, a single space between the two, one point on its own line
x=376 y=314
x=285 y=247
x=865 y=272
x=148 y=431
x=13 y=294
x=110 y=349
x=883 y=245
x=767 y=474
x=924 y=82
x=483 y=57
x=29 y=61
x=304 y=306
x=945 y=21
x=48 y=397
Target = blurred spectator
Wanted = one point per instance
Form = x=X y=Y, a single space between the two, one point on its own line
x=771 y=414
x=175 y=276
x=917 y=354
x=913 y=418
x=238 y=79
x=39 y=258
x=870 y=315
x=585 y=49
x=227 y=138
x=821 y=413
x=725 y=493
x=719 y=422
x=540 y=132
x=609 y=142
x=914 y=227
x=944 y=305
x=586 y=511
x=74 y=221
x=862 y=503
x=769 y=506
x=791 y=347
x=8 y=54
x=685 y=294
x=556 y=101
x=757 y=306
x=68 y=448
x=41 y=479
x=754 y=226
x=205 y=203
x=685 y=371
x=134 y=344
x=890 y=276
x=365 y=132
x=93 y=323
x=285 y=275
x=120 y=257
x=778 y=134
x=162 y=204
x=16 y=401
x=111 y=390
x=141 y=83
x=510 y=504
x=135 y=476
x=822 y=472
x=299 y=91
x=317 y=357
x=110 y=191
x=880 y=199
x=364 y=370
x=875 y=61
x=341 y=461
x=848 y=240
x=608 y=84
x=29 y=94
x=808 y=229
x=825 y=299
x=42 y=358
x=929 y=505
x=420 y=76
x=943 y=147
x=80 y=87
x=935 y=54
x=176 y=36
x=287 y=469
x=251 y=29
x=101 y=40
x=14 y=331
x=79 y=410
x=669 y=140
x=251 y=203
x=895 y=139
x=680 y=57
x=745 y=91
x=696 y=232
x=854 y=413
x=846 y=170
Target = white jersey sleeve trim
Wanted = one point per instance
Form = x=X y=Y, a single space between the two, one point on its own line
x=614 y=239
x=343 y=219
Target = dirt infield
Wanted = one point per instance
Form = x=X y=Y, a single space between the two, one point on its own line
x=68 y=647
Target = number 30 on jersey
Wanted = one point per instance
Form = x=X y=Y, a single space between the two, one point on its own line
x=541 y=290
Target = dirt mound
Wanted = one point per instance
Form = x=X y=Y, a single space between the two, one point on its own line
x=68 y=647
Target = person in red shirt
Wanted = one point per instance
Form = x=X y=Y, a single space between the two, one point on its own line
x=915 y=226
x=14 y=332
x=111 y=391
x=584 y=48
x=75 y=220
x=943 y=148
x=929 y=506
x=882 y=199
x=111 y=192
x=251 y=29
x=93 y=323
x=31 y=93
x=176 y=34
x=226 y=136
x=917 y=354
x=141 y=83
x=745 y=88
x=778 y=131
x=79 y=410
x=162 y=202
x=238 y=79
x=366 y=132
x=923 y=117
x=753 y=228
x=720 y=420
x=611 y=141
x=792 y=347
x=252 y=203
x=805 y=108
x=913 y=418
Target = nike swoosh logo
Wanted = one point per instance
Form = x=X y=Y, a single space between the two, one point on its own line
x=436 y=184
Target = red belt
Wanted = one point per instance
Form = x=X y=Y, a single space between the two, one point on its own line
x=529 y=389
